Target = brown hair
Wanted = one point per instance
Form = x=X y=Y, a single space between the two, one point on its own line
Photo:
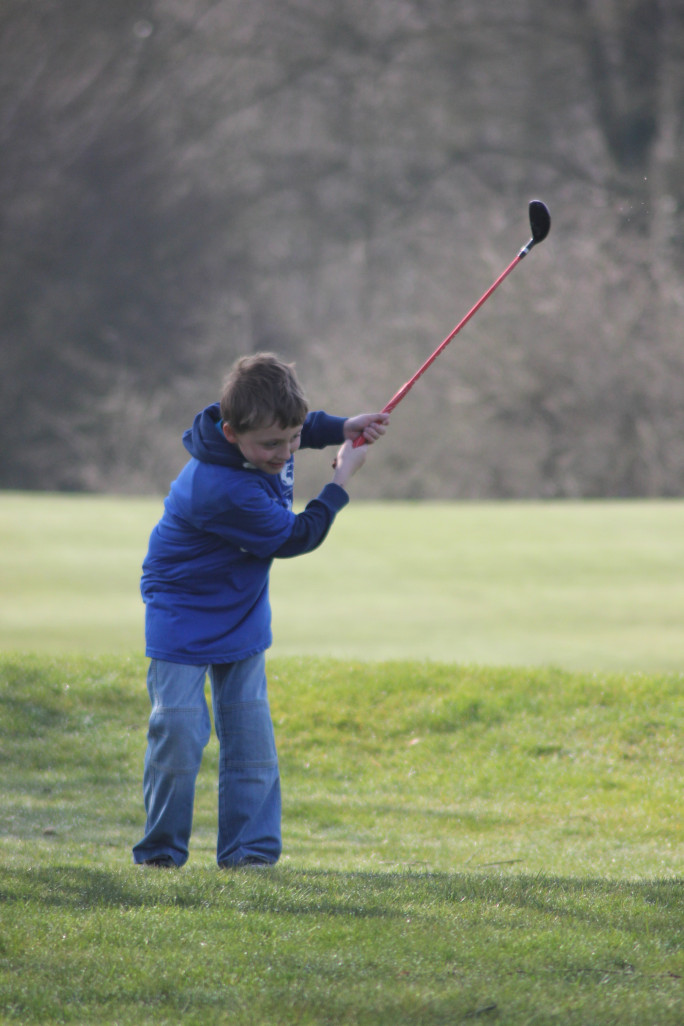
x=261 y=390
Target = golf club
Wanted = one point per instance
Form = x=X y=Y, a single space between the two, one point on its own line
x=540 y=223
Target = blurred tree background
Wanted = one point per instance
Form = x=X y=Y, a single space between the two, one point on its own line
x=184 y=181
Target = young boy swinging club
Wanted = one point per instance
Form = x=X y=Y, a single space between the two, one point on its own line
x=205 y=588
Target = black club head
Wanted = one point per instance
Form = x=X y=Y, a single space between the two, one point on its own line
x=540 y=220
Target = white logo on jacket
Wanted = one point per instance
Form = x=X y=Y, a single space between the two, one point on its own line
x=287 y=479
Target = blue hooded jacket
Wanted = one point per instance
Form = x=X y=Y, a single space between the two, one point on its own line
x=205 y=576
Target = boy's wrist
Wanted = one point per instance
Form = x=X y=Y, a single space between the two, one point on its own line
x=334 y=495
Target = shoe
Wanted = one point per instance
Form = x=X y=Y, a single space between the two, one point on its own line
x=249 y=862
x=159 y=862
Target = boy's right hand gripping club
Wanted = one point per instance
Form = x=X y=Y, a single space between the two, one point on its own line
x=540 y=223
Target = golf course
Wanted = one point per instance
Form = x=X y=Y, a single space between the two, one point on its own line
x=587 y=586
x=478 y=711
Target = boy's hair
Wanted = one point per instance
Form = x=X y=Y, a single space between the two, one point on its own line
x=261 y=390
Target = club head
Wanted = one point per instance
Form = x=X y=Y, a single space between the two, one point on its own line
x=540 y=221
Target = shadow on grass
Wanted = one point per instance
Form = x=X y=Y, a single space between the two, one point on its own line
x=334 y=893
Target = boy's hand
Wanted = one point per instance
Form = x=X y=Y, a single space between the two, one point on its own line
x=371 y=425
x=348 y=462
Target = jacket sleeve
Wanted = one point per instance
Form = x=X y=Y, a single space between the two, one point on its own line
x=311 y=526
x=321 y=429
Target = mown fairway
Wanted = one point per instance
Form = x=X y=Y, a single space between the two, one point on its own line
x=460 y=844
x=595 y=586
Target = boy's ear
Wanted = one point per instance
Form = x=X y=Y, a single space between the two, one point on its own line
x=228 y=433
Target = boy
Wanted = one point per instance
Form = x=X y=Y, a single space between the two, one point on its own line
x=205 y=588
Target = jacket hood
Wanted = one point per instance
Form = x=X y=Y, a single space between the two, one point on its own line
x=207 y=443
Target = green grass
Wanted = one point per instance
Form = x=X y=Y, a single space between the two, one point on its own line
x=496 y=837
x=461 y=844
x=595 y=585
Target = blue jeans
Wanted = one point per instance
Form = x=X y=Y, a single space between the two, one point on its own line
x=249 y=781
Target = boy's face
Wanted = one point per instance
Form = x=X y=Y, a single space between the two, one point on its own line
x=267 y=448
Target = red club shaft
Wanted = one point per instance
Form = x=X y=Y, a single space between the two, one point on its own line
x=406 y=388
